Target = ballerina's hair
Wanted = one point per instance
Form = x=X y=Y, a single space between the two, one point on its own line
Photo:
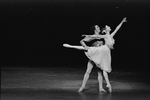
x=103 y=30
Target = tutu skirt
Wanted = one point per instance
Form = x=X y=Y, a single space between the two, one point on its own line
x=100 y=56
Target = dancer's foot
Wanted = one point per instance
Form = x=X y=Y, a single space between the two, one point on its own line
x=109 y=88
x=81 y=89
x=102 y=90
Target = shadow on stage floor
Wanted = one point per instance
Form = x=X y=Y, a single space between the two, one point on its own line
x=63 y=83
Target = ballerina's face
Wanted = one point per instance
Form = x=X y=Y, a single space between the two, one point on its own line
x=107 y=28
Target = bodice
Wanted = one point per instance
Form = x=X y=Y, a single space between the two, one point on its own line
x=109 y=41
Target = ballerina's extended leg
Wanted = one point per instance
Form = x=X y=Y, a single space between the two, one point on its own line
x=73 y=46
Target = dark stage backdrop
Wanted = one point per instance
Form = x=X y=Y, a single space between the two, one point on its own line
x=33 y=31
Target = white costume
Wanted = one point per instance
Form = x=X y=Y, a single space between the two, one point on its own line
x=101 y=56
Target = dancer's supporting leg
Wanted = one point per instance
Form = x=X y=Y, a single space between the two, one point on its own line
x=86 y=75
x=107 y=80
x=100 y=80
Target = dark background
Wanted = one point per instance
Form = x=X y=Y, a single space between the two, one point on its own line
x=33 y=31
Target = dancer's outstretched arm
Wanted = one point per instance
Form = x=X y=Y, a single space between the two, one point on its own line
x=75 y=47
x=95 y=36
x=118 y=27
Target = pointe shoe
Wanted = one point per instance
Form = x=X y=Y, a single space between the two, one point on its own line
x=109 y=88
x=81 y=89
x=102 y=90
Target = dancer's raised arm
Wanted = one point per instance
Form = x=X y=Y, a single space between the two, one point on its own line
x=118 y=27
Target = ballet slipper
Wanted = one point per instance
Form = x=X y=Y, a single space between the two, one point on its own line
x=109 y=88
x=102 y=90
x=81 y=89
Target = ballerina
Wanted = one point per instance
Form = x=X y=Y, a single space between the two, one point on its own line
x=105 y=53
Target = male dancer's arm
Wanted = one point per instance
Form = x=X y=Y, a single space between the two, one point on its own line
x=86 y=39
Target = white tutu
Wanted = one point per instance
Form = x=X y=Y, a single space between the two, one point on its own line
x=101 y=56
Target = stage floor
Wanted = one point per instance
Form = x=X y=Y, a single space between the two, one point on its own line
x=62 y=83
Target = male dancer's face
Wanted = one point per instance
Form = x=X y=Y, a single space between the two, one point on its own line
x=97 y=29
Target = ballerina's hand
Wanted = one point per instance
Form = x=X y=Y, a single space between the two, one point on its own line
x=124 y=19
